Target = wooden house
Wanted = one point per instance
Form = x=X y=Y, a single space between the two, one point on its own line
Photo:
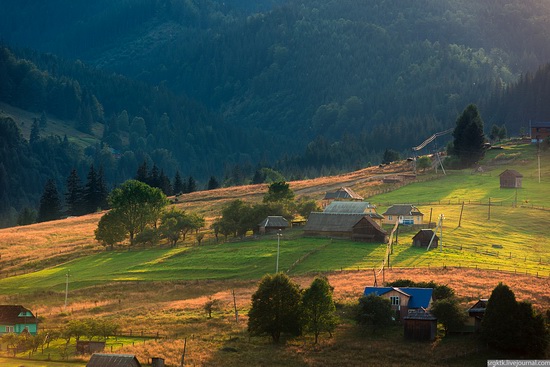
x=404 y=299
x=16 y=319
x=510 y=179
x=420 y=325
x=89 y=346
x=406 y=214
x=423 y=238
x=354 y=207
x=539 y=131
x=342 y=194
x=359 y=227
x=113 y=360
x=476 y=313
x=272 y=224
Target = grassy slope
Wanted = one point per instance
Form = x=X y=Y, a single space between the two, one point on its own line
x=511 y=240
x=175 y=306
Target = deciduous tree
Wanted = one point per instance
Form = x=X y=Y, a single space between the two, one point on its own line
x=374 y=312
x=137 y=205
x=275 y=307
x=319 y=312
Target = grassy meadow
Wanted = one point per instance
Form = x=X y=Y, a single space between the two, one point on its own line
x=163 y=290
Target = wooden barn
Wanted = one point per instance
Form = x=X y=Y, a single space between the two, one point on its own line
x=272 y=224
x=113 y=360
x=420 y=325
x=423 y=238
x=359 y=227
x=510 y=179
x=354 y=207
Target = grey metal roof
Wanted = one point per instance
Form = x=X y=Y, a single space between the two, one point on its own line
x=328 y=222
x=113 y=360
x=274 y=221
x=349 y=207
x=511 y=171
x=419 y=314
x=403 y=209
x=343 y=193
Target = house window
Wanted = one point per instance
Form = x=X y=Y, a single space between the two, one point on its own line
x=394 y=300
x=389 y=217
x=9 y=329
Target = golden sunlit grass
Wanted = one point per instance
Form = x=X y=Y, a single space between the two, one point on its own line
x=174 y=309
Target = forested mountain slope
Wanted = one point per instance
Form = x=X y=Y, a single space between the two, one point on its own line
x=222 y=88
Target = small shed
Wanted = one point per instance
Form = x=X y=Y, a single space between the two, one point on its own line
x=423 y=238
x=113 y=360
x=420 y=325
x=476 y=313
x=510 y=179
x=272 y=224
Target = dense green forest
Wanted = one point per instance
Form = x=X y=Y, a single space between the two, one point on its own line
x=221 y=89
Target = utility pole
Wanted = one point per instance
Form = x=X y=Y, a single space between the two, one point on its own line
x=461 y=210
x=67 y=286
x=489 y=214
x=235 y=306
x=279 y=234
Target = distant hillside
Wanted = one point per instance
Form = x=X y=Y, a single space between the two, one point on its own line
x=224 y=89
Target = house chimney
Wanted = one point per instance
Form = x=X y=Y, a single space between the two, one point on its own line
x=157 y=362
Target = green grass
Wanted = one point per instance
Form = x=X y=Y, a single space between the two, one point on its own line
x=506 y=238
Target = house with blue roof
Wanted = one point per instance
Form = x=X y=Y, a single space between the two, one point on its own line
x=404 y=299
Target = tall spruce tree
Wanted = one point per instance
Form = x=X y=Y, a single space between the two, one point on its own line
x=469 y=137
x=179 y=185
x=142 y=173
x=95 y=191
x=191 y=184
x=74 y=196
x=212 y=183
x=50 y=203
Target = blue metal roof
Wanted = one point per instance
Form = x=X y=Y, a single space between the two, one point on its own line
x=419 y=297
x=377 y=291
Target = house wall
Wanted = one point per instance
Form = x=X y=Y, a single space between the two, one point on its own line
x=539 y=133
x=403 y=307
x=407 y=219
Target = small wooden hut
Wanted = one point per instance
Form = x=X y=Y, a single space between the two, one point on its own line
x=510 y=179
x=423 y=238
x=420 y=325
x=113 y=360
x=272 y=224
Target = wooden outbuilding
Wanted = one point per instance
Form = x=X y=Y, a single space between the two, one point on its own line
x=113 y=360
x=272 y=224
x=354 y=207
x=423 y=238
x=420 y=325
x=510 y=179
x=89 y=346
x=476 y=313
x=359 y=227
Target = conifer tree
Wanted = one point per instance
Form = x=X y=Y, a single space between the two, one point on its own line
x=50 y=203
x=213 y=183
x=179 y=186
x=191 y=184
x=469 y=137
x=142 y=173
x=74 y=195
x=35 y=132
